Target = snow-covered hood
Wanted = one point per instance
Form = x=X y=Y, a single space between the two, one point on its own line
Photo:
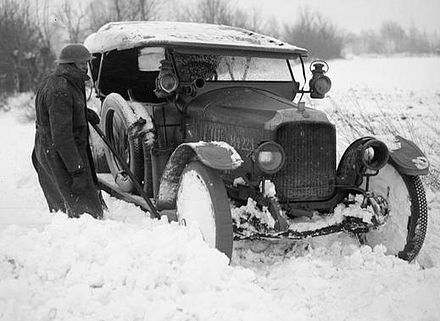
x=251 y=107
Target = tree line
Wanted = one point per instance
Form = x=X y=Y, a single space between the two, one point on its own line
x=30 y=31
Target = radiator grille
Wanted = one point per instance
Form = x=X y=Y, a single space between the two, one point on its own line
x=309 y=171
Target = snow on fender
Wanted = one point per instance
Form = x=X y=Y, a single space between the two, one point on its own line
x=217 y=155
x=409 y=158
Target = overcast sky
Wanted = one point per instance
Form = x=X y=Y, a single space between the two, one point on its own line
x=356 y=15
x=349 y=15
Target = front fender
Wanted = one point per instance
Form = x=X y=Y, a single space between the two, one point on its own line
x=350 y=169
x=404 y=155
x=217 y=155
x=407 y=157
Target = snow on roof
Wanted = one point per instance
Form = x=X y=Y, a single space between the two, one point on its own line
x=131 y=34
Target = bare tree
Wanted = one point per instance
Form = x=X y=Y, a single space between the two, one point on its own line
x=19 y=40
x=208 y=11
x=72 y=19
x=418 y=41
x=42 y=19
x=45 y=57
x=393 y=36
x=316 y=33
x=118 y=10
x=273 y=27
x=222 y=12
x=215 y=11
x=98 y=14
x=249 y=19
x=255 y=21
x=103 y=11
x=148 y=9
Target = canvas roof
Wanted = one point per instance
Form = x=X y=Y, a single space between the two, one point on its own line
x=186 y=35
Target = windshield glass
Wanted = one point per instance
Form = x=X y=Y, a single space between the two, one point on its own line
x=231 y=68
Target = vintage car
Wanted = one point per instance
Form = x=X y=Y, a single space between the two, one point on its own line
x=208 y=117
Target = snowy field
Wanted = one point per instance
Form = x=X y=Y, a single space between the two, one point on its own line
x=129 y=267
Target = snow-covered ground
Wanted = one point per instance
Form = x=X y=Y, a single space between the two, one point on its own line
x=129 y=267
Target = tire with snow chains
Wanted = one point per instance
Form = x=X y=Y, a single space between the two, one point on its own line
x=202 y=200
x=404 y=231
x=117 y=116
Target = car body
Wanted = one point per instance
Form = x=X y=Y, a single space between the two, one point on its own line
x=224 y=102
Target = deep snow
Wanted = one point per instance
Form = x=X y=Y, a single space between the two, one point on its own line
x=129 y=267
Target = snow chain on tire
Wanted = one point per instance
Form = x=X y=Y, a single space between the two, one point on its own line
x=415 y=229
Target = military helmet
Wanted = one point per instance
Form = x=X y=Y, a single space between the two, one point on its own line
x=74 y=53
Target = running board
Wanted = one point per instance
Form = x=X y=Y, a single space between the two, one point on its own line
x=107 y=184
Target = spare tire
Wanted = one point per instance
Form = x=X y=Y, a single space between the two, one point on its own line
x=117 y=117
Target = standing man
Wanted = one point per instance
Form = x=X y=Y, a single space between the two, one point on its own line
x=62 y=156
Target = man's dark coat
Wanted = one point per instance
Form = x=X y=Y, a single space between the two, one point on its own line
x=61 y=143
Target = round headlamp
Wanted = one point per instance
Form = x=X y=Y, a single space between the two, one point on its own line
x=269 y=157
x=168 y=82
x=374 y=154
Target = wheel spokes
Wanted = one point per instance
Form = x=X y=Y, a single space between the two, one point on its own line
x=120 y=140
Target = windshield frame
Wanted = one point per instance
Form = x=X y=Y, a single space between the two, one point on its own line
x=260 y=53
x=171 y=52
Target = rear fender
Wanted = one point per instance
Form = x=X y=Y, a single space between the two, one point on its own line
x=216 y=155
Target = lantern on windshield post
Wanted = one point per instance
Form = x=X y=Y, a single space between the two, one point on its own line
x=320 y=84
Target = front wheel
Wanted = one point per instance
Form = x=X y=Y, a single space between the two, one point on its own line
x=202 y=200
x=404 y=231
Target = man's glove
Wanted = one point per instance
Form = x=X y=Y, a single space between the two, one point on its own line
x=92 y=116
x=79 y=183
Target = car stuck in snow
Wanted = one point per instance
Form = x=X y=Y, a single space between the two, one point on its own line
x=208 y=117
